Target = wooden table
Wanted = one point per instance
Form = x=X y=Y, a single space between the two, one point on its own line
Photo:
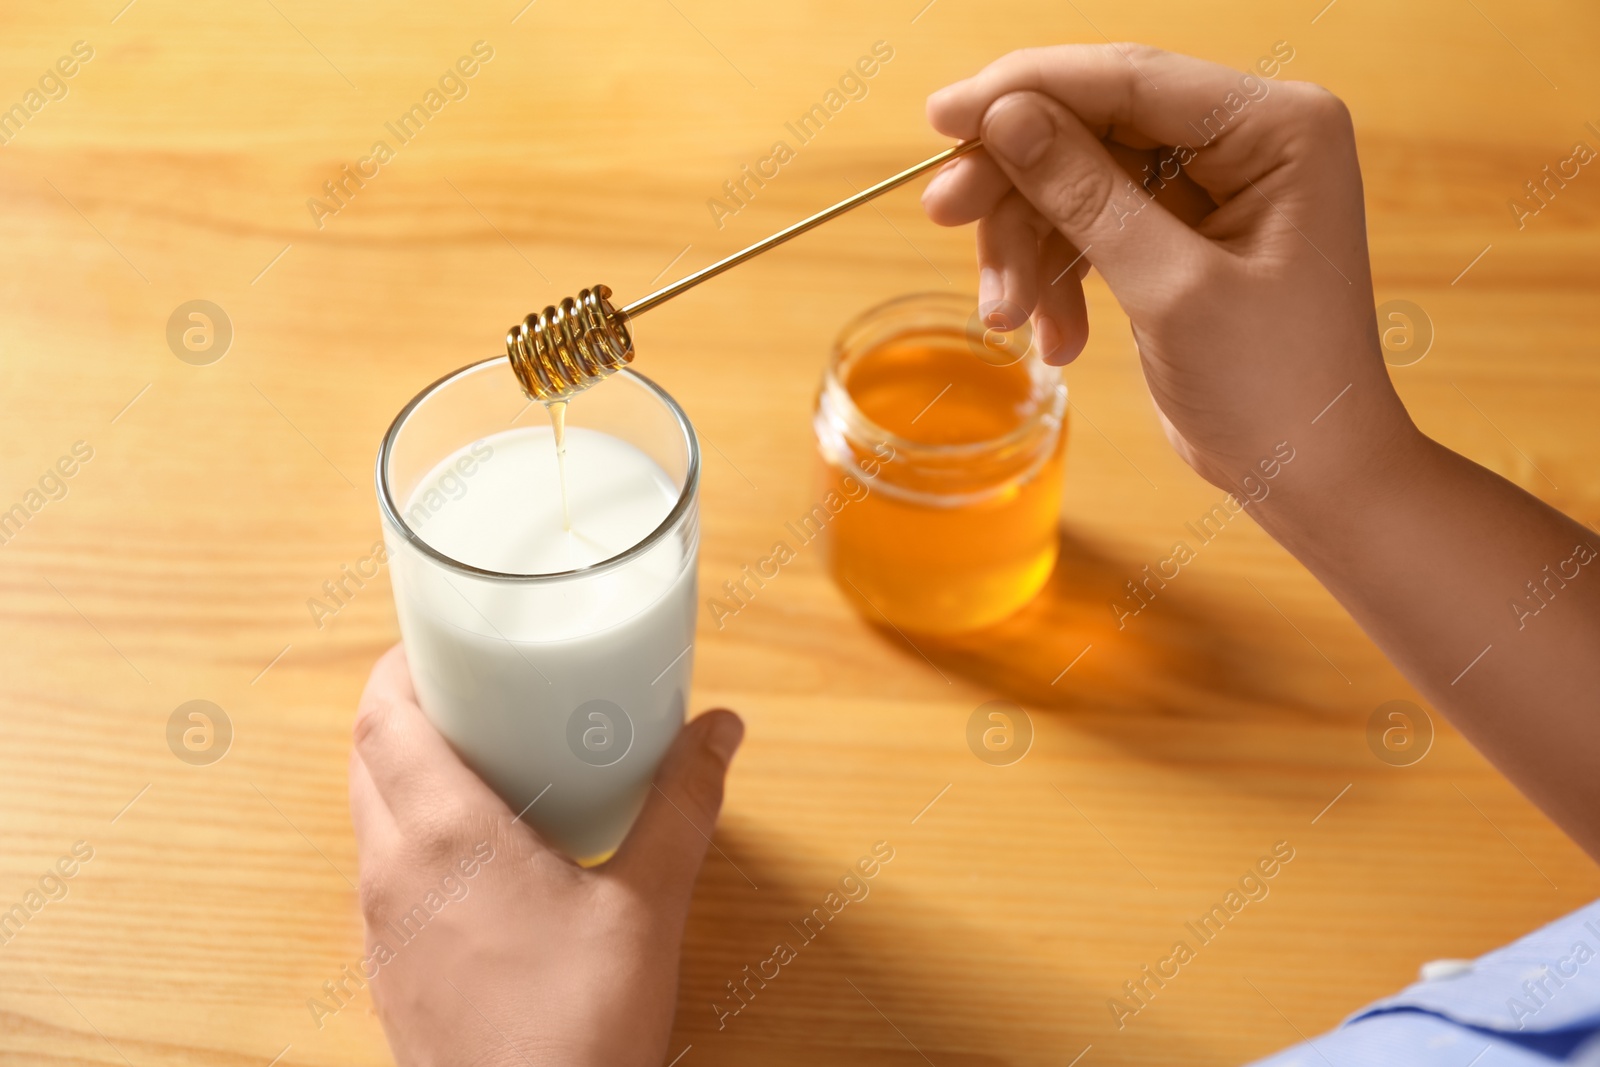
x=1230 y=716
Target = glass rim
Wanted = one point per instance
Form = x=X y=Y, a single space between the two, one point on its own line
x=684 y=503
x=833 y=385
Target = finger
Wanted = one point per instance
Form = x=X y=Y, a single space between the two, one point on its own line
x=416 y=772
x=663 y=851
x=965 y=190
x=1227 y=128
x=975 y=185
x=1061 y=319
x=1067 y=174
x=1008 y=263
x=373 y=822
x=1138 y=94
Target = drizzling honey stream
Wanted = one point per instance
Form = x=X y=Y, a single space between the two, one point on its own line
x=570 y=346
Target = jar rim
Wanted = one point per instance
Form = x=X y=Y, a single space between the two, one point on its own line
x=959 y=303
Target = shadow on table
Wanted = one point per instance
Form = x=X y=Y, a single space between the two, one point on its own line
x=901 y=980
x=852 y=992
x=1185 y=651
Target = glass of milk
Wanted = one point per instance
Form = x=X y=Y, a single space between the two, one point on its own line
x=556 y=660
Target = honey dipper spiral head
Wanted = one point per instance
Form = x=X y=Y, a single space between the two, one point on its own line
x=570 y=346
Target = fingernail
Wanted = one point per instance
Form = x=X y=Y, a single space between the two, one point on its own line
x=1018 y=130
x=1048 y=337
x=724 y=736
x=991 y=295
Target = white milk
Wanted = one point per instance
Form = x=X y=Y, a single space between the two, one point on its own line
x=565 y=690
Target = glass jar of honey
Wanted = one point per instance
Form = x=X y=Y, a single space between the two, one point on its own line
x=942 y=446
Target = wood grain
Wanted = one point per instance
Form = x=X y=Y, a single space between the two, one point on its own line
x=1172 y=754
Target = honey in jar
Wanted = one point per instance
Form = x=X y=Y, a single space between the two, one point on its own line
x=947 y=446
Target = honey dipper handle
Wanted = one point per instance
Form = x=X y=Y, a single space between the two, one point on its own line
x=661 y=295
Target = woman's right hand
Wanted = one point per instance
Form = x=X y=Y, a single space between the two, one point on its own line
x=1247 y=284
x=1245 y=275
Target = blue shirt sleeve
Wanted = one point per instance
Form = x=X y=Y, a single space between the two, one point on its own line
x=1534 y=1003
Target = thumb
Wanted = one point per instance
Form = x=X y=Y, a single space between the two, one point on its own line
x=1070 y=177
x=663 y=851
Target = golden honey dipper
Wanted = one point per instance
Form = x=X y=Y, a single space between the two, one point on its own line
x=570 y=346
